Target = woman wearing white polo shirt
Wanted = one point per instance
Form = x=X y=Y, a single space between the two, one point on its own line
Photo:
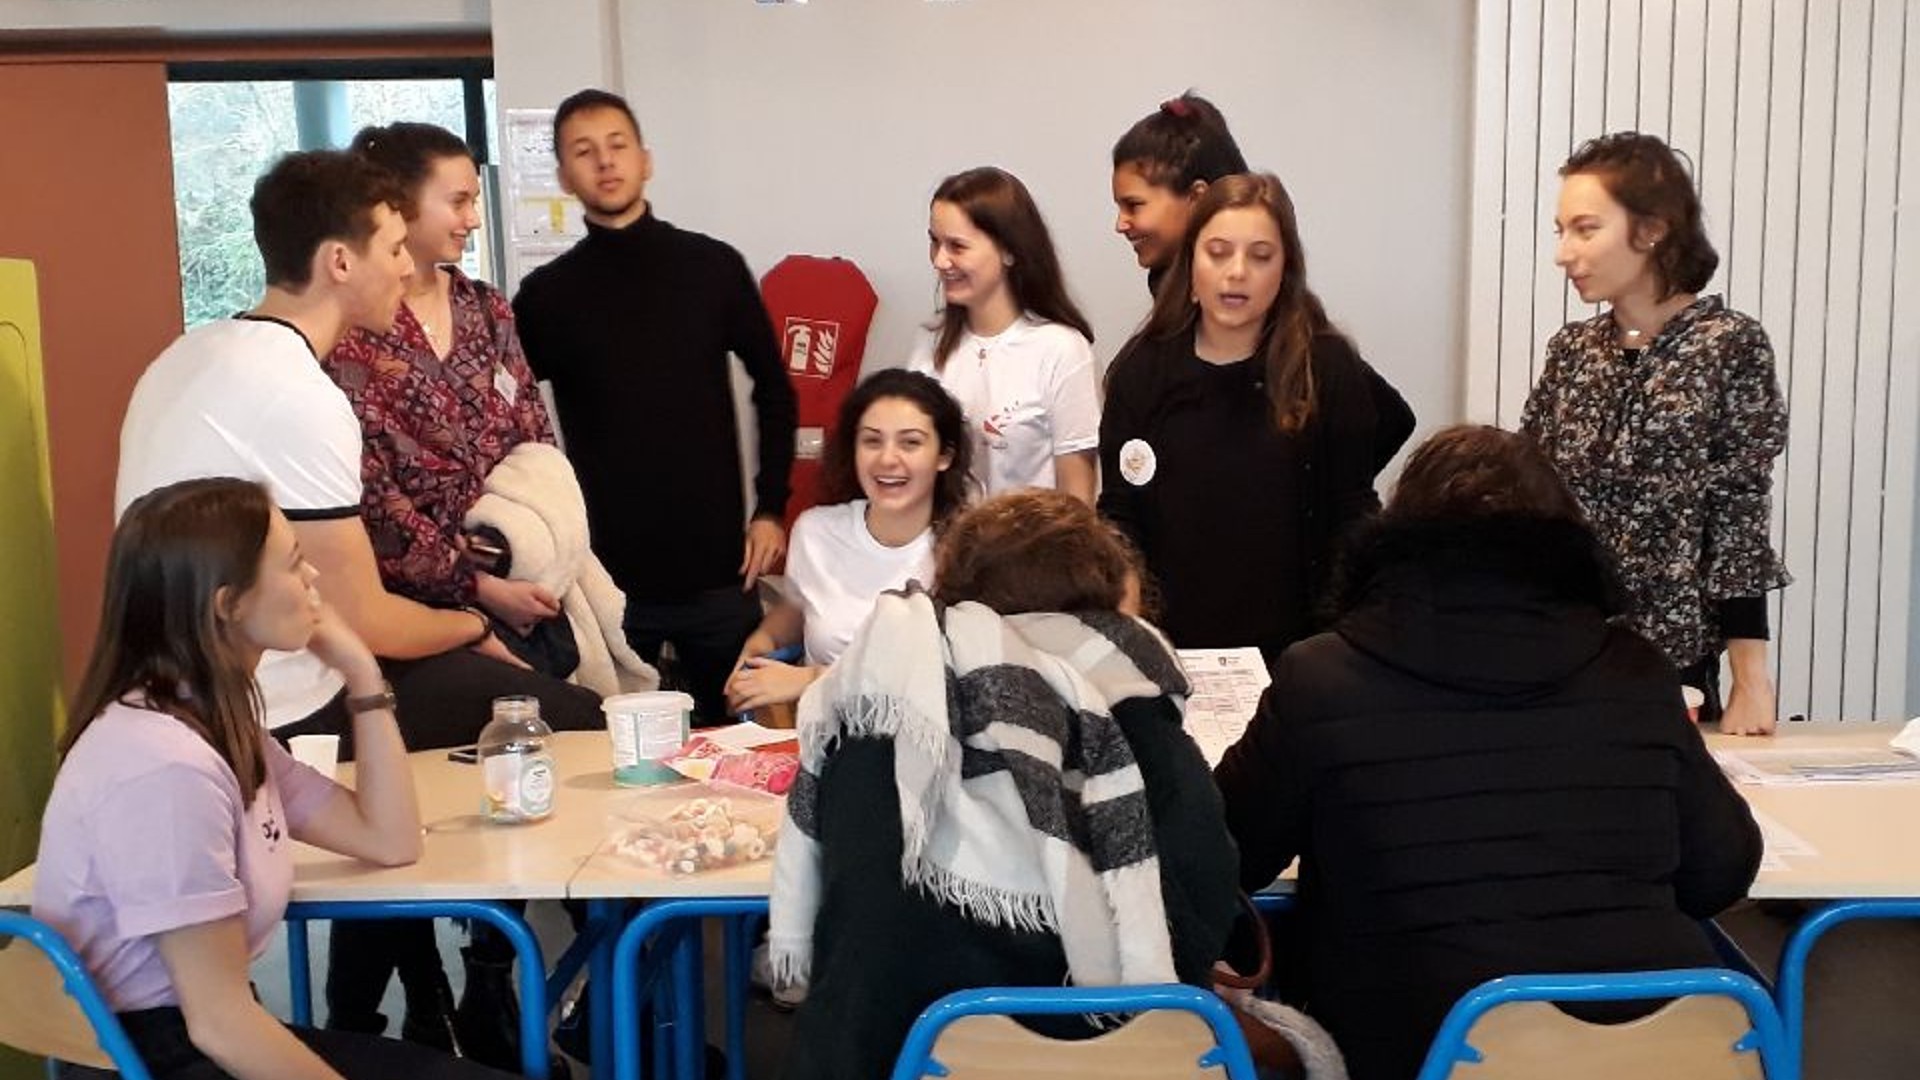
x=895 y=470
x=1010 y=345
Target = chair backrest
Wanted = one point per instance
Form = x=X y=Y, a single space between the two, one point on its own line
x=1178 y=1032
x=1720 y=1025
x=49 y=1006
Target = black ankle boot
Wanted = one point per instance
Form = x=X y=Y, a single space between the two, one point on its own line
x=487 y=1021
x=429 y=1020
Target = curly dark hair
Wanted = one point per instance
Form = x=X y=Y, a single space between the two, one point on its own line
x=840 y=480
x=1652 y=181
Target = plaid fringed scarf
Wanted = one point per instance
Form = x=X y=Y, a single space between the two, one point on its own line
x=1020 y=800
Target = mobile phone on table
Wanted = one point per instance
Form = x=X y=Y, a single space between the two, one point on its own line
x=465 y=755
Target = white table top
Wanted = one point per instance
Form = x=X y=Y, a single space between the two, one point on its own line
x=468 y=857
x=1860 y=831
x=1864 y=833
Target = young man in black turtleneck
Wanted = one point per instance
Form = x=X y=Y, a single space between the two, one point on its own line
x=633 y=327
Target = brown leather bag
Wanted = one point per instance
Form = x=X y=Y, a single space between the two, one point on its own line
x=1270 y=1050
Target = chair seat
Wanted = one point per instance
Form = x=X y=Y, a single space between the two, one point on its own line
x=1692 y=1037
x=1162 y=1045
x=36 y=1013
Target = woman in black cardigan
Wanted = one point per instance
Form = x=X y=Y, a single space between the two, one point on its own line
x=1480 y=773
x=1242 y=432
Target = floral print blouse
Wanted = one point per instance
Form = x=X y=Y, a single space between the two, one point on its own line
x=1670 y=450
x=433 y=428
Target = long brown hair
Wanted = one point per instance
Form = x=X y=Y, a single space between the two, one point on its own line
x=1294 y=320
x=163 y=638
x=999 y=205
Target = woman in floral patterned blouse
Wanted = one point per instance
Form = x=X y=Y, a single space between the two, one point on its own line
x=1663 y=415
x=441 y=397
x=444 y=395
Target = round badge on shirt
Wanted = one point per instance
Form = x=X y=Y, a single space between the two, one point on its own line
x=1137 y=462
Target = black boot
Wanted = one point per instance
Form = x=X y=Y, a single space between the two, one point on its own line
x=359 y=963
x=487 y=1022
x=429 y=1018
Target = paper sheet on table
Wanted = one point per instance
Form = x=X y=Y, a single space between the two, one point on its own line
x=1780 y=843
x=1226 y=690
x=1819 y=765
x=746 y=735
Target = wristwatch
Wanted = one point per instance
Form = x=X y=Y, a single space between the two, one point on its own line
x=372 y=702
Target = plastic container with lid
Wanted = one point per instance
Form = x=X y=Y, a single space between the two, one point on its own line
x=645 y=729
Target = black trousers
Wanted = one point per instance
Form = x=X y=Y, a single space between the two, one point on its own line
x=160 y=1035
x=707 y=630
x=445 y=700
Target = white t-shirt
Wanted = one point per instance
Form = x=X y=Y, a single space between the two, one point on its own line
x=835 y=569
x=1029 y=396
x=246 y=398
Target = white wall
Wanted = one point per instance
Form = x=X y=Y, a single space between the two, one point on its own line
x=823 y=129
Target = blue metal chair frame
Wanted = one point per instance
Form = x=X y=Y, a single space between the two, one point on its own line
x=1767 y=1036
x=79 y=985
x=1792 y=983
x=672 y=929
x=1229 y=1050
x=533 y=971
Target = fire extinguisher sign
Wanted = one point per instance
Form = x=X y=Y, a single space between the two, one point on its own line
x=810 y=346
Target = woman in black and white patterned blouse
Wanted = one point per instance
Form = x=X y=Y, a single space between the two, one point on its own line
x=1663 y=415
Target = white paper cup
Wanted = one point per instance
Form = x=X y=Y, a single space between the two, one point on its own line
x=319 y=752
x=1694 y=698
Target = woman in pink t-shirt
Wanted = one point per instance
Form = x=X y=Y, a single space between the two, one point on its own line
x=166 y=852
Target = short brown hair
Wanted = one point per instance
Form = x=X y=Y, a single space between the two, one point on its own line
x=313 y=196
x=1474 y=471
x=1648 y=178
x=1034 y=550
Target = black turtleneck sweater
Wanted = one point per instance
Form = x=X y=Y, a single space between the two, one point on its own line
x=1481 y=776
x=633 y=328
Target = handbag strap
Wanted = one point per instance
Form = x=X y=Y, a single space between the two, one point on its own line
x=1224 y=973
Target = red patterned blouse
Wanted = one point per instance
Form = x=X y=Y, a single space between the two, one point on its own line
x=434 y=427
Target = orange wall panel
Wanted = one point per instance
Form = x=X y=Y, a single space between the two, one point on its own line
x=86 y=193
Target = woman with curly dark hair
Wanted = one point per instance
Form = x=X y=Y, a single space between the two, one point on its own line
x=895 y=471
x=1663 y=414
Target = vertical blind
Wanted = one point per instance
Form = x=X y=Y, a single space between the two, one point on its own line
x=1802 y=121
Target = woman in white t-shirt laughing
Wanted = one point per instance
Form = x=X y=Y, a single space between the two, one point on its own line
x=895 y=469
x=1010 y=345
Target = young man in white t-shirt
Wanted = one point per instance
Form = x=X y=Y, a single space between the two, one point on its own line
x=246 y=397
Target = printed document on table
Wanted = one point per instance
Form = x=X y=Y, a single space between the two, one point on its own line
x=1818 y=765
x=1227 y=684
x=1778 y=843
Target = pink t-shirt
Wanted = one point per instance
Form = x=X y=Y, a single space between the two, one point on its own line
x=146 y=832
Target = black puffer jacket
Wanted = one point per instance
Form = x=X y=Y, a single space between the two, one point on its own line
x=1481 y=776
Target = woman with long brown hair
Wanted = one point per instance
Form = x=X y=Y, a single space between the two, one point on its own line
x=166 y=850
x=1010 y=345
x=1242 y=431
